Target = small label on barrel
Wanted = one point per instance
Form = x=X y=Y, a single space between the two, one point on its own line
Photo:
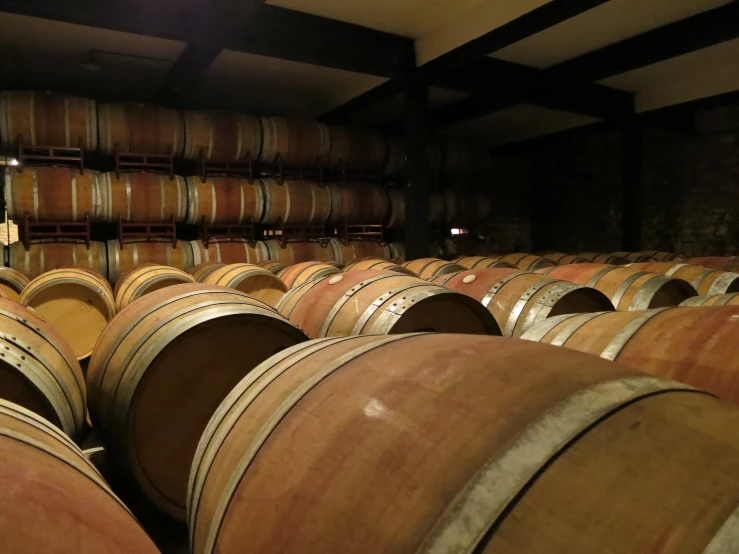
x=470 y=278
x=336 y=279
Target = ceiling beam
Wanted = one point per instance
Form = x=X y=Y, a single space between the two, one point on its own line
x=550 y=14
x=275 y=32
x=675 y=39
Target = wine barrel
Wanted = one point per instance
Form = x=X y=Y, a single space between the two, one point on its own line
x=628 y=289
x=306 y=271
x=153 y=360
x=358 y=203
x=54 y=500
x=272 y=267
x=482 y=262
x=377 y=265
x=464 y=156
x=297 y=252
x=493 y=431
x=430 y=268
x=519 y=300
x=48 y=255
x=219 y=136
x=706 y=281
x=437 y=208
x=395 y=159
x=140 y=129
x=77 y=302
x=223 y=200
x=39 y=370
x=609 y=259
x=294 y=142
x=124 y=276
x=229 y=252
x=250 y=279
x=48 y=119
x=396 y=213
x=726 y=263
x=145 y=280
x=466 y=208
x=52 y=194
x=295 y=203
x=370 y=249
x=12 y=283
x=397 y=252
x=381 y=303
x=201 y=271
x=634 y=257
x=560 y=258
x=153 y=252
x=356 y=149
x=142 y=197
x=527 y=262
x=693 y=345
x=652 y=255
x=715 y=300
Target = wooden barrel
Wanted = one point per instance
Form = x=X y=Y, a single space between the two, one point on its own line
x=370 y=249
x=140 y=129
x=153 y=252
x=77 y=302
x=201 y=271
x=430 y=268
x=482 y=262
x=272 y=267
x=652 y=255
x=726 y=263
x=382 y=303
x=461 y=156
x=223 y=200
x=396 y=213
x=145 y=280
x=437 y=208
x=356 y=149
x=294 y=142
x=48 y=119
x=297 y=252
x=358 y=203
x=634 y=257
x=295 y=203
x=466 y=446
x=52 y=194
x=298 y=274
x=466 y=208
x=602 y=258
x=250 y=279
x=397 y=252
x=229 y=252
x=519 y=300
x=395 y=158
x=377 y=265
x=46 y=256
x=716 y=300
x=142 y=197
x=153 y=361
x=527 y=262
x=221 y=136
x=124 y=276
x=694 y=345
x=12 y=283
x=39 y=370
x=628 y=289
x=706 y=281
x=54 y=500
x=560 y=258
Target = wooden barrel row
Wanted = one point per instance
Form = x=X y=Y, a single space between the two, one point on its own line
x=298 y=274
x=465 y=446
x=381 y=302
x=54 y=500
x=706 y=282
x=153 y=359
x=731 y=299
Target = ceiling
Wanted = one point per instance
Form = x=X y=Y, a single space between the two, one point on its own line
x=41 y=53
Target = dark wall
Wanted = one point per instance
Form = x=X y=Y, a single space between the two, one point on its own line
x=564 y=192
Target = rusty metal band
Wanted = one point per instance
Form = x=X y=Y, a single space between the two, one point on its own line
x=625 y=285
x=495 y=289
x=521 y=304
x=372 y=308
x=273 y=421
x=483 y=501
x=345 y=298
x=613 y=349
